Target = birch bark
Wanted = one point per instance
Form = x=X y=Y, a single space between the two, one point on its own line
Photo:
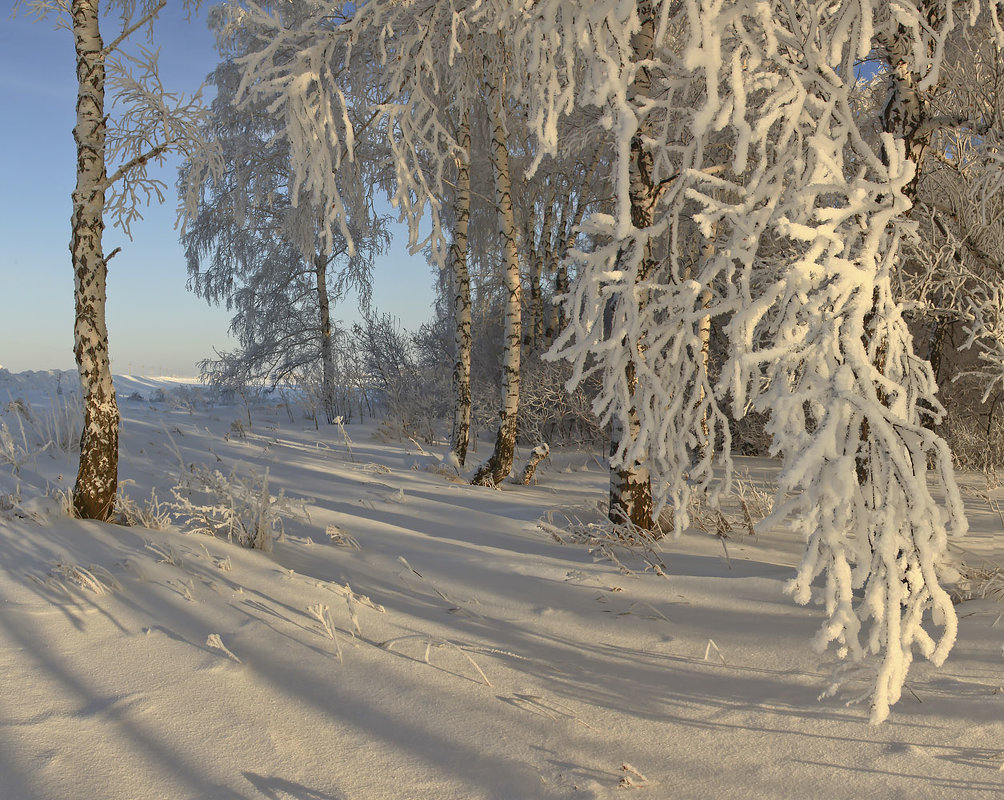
x=499 y=465
x=327 y=360
x=461 y=299
x=97 y=476
x=559 y=318
x=540 y=256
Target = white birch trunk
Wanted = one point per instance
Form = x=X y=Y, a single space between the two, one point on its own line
x=461 y=300
x=540 y=256
x=499 y=465
x=704 y=334
x=560 y=266
x=97 y=476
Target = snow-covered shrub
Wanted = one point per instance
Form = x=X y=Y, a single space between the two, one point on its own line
x=150 y=513
x=236 y=506
x=194 y=398
x=27 y=432
x=549 y=411
x=10 y=495
x=756 y=501
x=15 y=451
x=749 y=434
x=61 y=421
x=412 y=396
x=973 y=428
x=980 y=583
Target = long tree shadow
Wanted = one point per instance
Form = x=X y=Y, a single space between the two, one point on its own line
x=281 y=789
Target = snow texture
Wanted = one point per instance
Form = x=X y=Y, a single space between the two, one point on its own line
x=456 y=652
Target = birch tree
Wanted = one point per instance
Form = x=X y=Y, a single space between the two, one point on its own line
x=251 y=246
x=461 y=296
x=634 y=316
x=125 y=120
x=499 y=465
x=807 y=220
x=739 y=116
x=309 y=69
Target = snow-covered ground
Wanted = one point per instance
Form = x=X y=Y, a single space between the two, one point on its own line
x=458 y=652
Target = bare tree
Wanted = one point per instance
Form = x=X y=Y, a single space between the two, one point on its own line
x=253 y=245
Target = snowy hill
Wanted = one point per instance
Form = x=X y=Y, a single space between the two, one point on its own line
x=422 y=638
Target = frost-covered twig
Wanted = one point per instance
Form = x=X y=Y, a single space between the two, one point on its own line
x=608 y=542
x=340 y=538
x=214 y=641
x=97 y=579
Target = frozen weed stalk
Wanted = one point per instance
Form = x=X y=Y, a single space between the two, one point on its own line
x=150 y=513
x=26 y=433
x=237 y=507
x=94 y=579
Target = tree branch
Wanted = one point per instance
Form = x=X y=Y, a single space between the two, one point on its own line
x=133 y=28
x=135 y=162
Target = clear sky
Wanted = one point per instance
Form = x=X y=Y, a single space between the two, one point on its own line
x=155 y=325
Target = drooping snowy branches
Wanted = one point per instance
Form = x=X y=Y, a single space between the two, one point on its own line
x=750 y=191
x=639 y=311
x=749 y=115
x=823 y=346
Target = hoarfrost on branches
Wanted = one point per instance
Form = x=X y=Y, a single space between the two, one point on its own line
x=802 y=220
x=824 y=347
x=746 y=192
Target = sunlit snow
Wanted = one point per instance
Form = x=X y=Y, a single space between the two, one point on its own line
x=423 y=638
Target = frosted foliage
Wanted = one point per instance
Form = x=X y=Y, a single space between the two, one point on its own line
x=622 y=309
x=766 y=207
x=824 y=347
x=397 y=64
x=661 y=338
x=146 y=121
x=749 y=123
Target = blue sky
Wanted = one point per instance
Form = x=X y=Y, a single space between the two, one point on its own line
x=155 y=325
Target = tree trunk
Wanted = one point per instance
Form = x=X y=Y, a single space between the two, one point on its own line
x=907 y=110
x=704 y=333
x=499 y=465
x=462 y=300
x=97 y=476
x=904 y=116
x=327 y=360
x=559 y=264
x=538 y=454
x=541 y=256
x=630 y=484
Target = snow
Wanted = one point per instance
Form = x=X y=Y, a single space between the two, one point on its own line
x=458 y=652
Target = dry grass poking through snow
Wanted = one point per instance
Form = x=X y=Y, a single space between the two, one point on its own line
x=980 y=583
